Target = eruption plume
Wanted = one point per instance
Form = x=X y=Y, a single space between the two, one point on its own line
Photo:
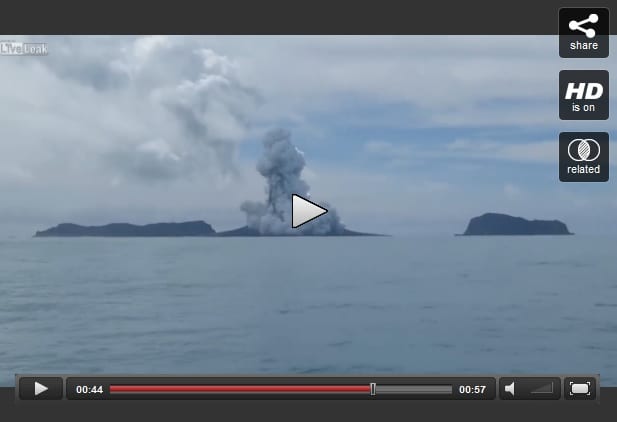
x=281 y=165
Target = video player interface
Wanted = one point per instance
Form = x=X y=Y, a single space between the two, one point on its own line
x=362 y=217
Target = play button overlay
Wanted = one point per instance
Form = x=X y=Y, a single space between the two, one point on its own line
x=303 y=211
x=40 y=388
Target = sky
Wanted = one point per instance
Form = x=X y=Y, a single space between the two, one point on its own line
x=404 y=135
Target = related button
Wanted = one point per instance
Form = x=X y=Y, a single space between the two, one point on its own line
x=583 y=95
x=529 y=388
x=583 y=157
x=583 y=32
x=303 y=211
x=43 y=388
x=580 y=388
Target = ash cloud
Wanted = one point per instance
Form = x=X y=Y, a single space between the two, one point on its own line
x=281 y=165
x=189 y=108
x=213 y=109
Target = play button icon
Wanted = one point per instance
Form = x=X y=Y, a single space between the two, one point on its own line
x=303 y=211
x=39 y=388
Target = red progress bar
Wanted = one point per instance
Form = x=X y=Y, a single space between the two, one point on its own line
x=239 y=389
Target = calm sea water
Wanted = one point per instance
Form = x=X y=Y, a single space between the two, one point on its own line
x=309 y=305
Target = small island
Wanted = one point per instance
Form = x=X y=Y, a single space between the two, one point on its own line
x=507 y=225
x=189 y=228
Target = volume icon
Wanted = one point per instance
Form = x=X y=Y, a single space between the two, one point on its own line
x=509 y=388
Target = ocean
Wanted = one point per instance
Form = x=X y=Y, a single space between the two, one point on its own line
x=370 y=305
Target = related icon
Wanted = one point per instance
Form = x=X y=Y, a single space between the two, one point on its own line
x=578 y=25
x=584 y=149
x=583 y=157
x=303 y=211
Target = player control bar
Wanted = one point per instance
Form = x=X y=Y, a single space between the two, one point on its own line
x=104 y=387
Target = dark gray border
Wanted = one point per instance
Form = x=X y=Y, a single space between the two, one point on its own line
x=308 y=410
x=385 y=17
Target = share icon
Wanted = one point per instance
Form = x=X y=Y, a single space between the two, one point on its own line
x=578 y=25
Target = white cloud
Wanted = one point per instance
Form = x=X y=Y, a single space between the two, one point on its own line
x=512 y=191
x=406 y=153
x=444 y=81
x=387 y=149
x=534 y=152
x=196 y=110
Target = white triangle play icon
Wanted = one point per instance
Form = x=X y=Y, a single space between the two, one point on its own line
x=303 y=211
x=39 y=388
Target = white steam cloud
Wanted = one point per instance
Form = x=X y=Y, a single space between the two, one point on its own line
x=281 y=165
x=189 y=108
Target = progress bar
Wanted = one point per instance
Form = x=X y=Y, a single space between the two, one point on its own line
x=114 y=389
x=274 y=387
